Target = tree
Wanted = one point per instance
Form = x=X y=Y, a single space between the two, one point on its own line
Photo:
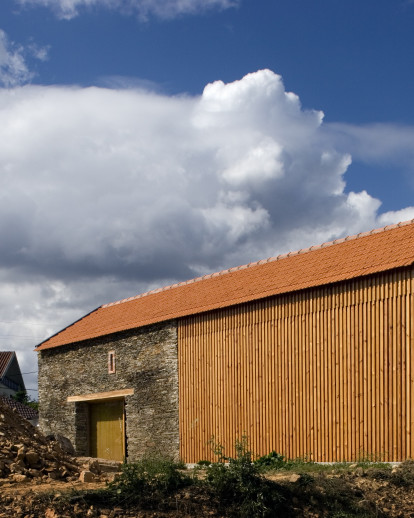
x=22 y=397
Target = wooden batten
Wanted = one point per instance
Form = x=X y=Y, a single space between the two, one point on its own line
x=100 y=396
x=326 y=374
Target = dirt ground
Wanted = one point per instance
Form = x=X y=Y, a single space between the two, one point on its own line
x=368 y=489
x=64 y=500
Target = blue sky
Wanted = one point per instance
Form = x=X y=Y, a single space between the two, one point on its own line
x=352 y=60
x=148 y=141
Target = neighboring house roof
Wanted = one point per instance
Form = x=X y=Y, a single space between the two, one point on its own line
x=10 y=374
x=5 y=360
x=343 y=259
x=25 y=411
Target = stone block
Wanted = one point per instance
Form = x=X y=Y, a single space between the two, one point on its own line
x=86 y=476
x=64 y=443
x=32 y=458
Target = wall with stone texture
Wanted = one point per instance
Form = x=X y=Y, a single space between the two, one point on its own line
x=146 y=361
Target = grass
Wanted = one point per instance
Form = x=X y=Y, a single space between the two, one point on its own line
x=273 y=462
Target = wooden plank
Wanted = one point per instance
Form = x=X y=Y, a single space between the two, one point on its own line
x=96 y=396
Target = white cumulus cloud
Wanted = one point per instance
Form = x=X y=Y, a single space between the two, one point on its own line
x=105 y=193
x=68 y=9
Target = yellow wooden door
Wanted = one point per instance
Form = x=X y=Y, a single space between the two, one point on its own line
x=106 y=424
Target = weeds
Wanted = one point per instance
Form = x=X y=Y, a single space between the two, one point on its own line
x=237 y=486
x=204 y=463
x=272 y=460
x=241 y=489
x=147 y=483
x=370 y=458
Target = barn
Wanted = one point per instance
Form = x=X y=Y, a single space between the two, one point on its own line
x=310 y=354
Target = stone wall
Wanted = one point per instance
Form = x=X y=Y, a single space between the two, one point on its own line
x=146 y=361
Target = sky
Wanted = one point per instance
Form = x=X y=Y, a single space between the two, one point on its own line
x=145 y=142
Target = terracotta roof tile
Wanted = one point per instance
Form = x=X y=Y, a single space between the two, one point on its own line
x=343 y=259
x=25 y=411
x=5 y=358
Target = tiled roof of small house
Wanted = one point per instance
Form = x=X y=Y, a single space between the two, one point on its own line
x=25 y=411
x=343 y=259
x=5 y=358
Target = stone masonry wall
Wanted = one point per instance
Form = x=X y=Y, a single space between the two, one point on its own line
x=146 y=361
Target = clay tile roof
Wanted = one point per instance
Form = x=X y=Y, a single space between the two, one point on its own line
x=25 y=411
x=5 y=358
x=343 y=259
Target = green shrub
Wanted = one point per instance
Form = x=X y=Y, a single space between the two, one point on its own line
x=240 y=488
x=272 y=460
x=203 y=463
x=148 y=481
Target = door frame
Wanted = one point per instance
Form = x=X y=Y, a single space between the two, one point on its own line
x=82 y=433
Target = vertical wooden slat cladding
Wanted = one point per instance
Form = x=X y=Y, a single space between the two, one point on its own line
x=326 y=374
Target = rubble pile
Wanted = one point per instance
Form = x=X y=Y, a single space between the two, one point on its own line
x=27 y=455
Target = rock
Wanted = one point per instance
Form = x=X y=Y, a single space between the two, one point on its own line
x=71 y=466
x=24 y=451
x=63 y=442
x=91 y=513
x=94 y=467
x=32 y=458
x=294 y=478
x=19 y=478
x=34 y=473
x=16 y=467
x=86 y=476
x=21 y=452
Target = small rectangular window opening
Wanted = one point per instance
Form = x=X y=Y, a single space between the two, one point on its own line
x=111 y=362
